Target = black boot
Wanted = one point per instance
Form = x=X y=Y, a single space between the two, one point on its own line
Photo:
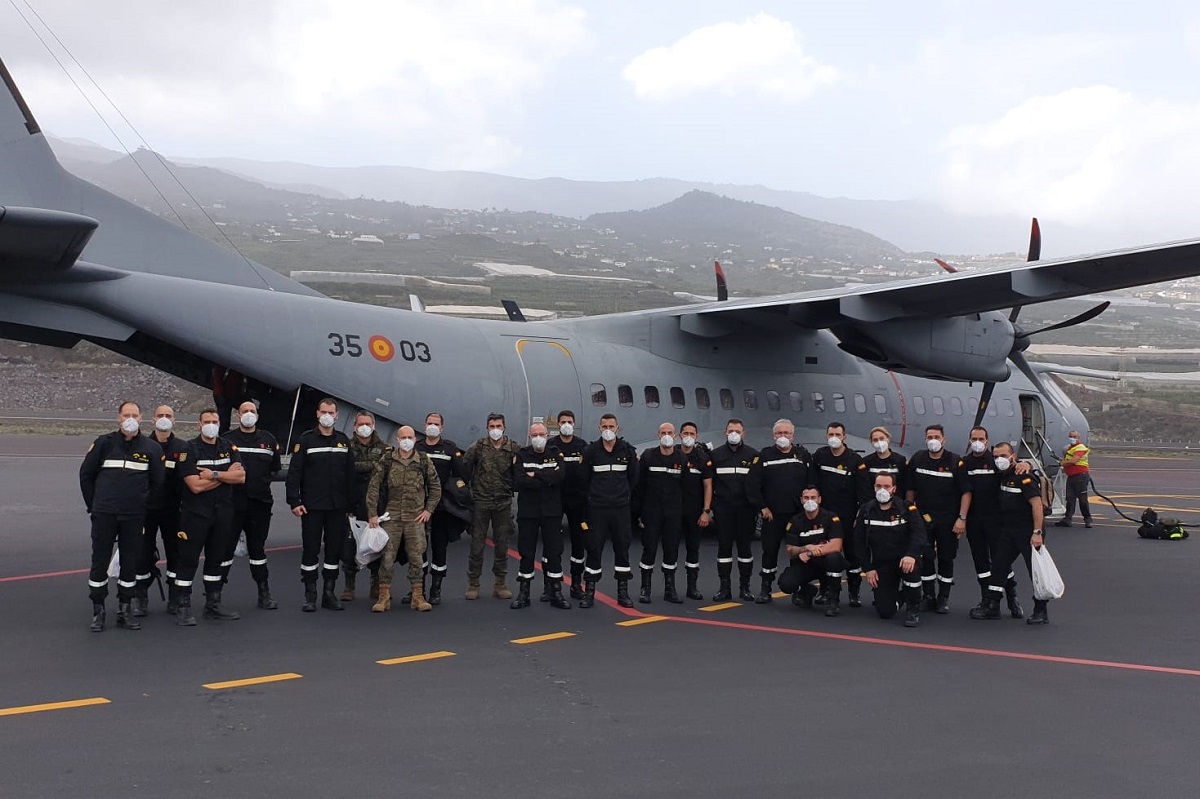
x=744 y=572
x=623 y=598
x=1014 y=606
x=521 y=600
x=98 y=616
x=435 y=588
x=693 y=576
x=576 y=581
x=172 y=597
x=669 y=592
x=183 y=610
x=125 y=616
x=265 y=600
x=928 y=599
x=853 y=588
x=833 y=597
x=212 y=607
x=557 y=600
x=141 y=601
x=943 y=598
x=764 y=596
x=989 y=607
x=589 y=594
x=329 y=599
x=1040 y=615
x=724 y=592
x=310 y=597
x=546 y=582
x=647 y=585
x=913 y=619
x=804 y=597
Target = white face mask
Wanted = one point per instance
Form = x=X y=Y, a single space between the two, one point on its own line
x=164 y=424
x=327 y=420
x=883 y=495
x=666 y=441
x=1073 y=440
x=1003 y=464
x=130 y=426
x=978 y=446
x=249 y=419
x=783 y=442
x=881 y=446
x=210 y=430
x=810 y=505
x=407 y=444
x=566 y=429
x=496 y=433
x=364 y=430
x=933 y=445
x=734 y=438
x=608 y=435
x=689 y=441
x=538 y=442
x=834 y=442
x=432 y=430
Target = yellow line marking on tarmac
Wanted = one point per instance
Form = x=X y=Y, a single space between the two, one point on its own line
x=722 y=606
x=16 y=711
x=218 y=686
x=537 y=639
x=643 y=620
x=416 y=658
x=780 y=594
x=1159 y=508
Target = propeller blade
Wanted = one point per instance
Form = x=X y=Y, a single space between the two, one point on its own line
x=1018 y=358
x=722 y=289
x=946 y=266
x=1091 y=313
x=1035 y=241
x=984 y=398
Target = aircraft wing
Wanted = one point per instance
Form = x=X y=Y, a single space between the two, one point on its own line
x=946 y=295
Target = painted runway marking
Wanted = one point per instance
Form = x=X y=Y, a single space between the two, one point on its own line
x=70 y=572
x=415 y=658
x=643 y=620
x=722 y=606
x=16 y=711
x=219 y=686
x=537 y=639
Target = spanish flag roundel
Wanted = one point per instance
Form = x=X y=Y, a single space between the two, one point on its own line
x=381 y=348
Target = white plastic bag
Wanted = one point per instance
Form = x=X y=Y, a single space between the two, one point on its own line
x=114 y=564
x=370 y=541
x=1047 y=582
x=241 y=550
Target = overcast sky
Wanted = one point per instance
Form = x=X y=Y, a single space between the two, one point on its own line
x=1054 y=109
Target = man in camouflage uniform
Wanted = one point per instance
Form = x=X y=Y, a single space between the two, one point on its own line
x=367 y=449
x=413 y=492
x=489 y=461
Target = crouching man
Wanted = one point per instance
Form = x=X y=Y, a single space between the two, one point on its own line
x=813 y=540
x=889 y=538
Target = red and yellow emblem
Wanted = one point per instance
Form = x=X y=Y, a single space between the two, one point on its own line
x=381 y=349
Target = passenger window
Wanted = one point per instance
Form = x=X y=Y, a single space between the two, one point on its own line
x=880 y=404
x=727 y=399
x=992 y=408
x=599 y=395
x=677 y=397
x=919 y=405
x=939 y=407
x=956 y=406
x=795 y=400
x=651 y=396
x=839 y=403
x=860 y=403
x=750 y=398
x=702 y=399
x=625 y=396
x=818 y=402
x=773 y=400
x=1008 y=408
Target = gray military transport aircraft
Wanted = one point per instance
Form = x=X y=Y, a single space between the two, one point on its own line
x=78 y=263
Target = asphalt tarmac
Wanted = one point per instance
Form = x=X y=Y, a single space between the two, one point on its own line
x=746 y=700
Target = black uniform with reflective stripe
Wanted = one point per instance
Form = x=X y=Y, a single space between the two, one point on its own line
x=321 y=474
x=610 y=476
x=1015 y=492
x=660 y=480
x=218 y=456
x=697 y=467
x=120 y=476
x=259 y=452
x=731 y=467
x=776 y=479
x=802 y=530
x=169 y=493
x=885 y=536
x=541 y=495
x=842 y=479
x=894 y=464
x=574 y=487
x=446 y=458
x=938 y=493
x=984 y=479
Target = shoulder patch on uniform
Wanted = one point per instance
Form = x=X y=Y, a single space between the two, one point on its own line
x=295 y=449
x=789 y=527
x=912 y=507
x=862 y=465
x=1026 y=481
x=91 y=446
x=960 y=462
x=233 y=447
x=755 y=460
x=836 y=519
x=182 y=456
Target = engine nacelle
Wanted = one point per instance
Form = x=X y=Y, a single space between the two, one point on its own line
x=965 y=348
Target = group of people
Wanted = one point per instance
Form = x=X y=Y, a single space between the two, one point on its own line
x=837 y=515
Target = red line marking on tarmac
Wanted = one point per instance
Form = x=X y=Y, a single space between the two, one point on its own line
x=70 y=572
x=603 y=599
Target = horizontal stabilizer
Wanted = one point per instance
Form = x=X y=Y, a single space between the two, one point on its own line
x=38 y=239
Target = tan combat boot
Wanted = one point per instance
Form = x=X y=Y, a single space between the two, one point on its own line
x=500 y=590
x=375 y=585
x=347 y=594
x=418 y=598
x=473 y=588
x=384 y=602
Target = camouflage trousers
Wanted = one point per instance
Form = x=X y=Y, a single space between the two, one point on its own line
x=499 y=519
x=411 y=536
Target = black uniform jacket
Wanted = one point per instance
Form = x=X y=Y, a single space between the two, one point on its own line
x=538 y=496
x=321 y=474
x=259 y=452
x=119 y=476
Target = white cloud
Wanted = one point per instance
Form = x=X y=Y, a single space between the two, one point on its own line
x=1088 y=156
x=762 y=55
